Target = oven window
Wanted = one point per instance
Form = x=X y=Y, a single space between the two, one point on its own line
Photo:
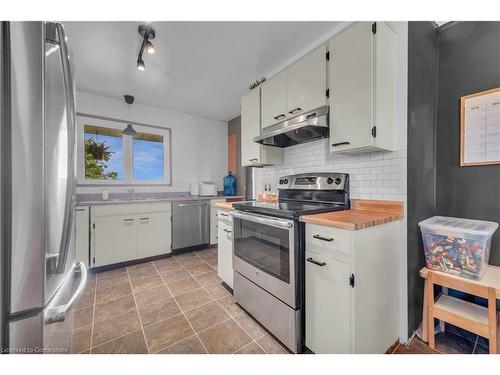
x=264 y=247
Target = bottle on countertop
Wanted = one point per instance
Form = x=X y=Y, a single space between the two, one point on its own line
x=105 y=195
x=229 y=184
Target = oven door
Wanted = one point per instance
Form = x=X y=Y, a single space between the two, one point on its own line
x=264 y=251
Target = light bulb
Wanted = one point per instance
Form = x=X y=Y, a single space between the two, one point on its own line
x=140 y=65
x=150 y=47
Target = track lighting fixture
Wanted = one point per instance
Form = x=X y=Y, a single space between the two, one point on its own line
x=147 y=32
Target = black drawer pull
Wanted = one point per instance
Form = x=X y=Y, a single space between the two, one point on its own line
x=311 y=115
x=340 y=144
x=327 y=239
x=295 y=110
x=311 y=260
x=282 y=115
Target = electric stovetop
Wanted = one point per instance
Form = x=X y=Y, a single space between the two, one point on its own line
x=287 y=209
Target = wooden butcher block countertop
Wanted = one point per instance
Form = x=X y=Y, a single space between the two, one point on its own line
x=363 y=214
x=225 y=205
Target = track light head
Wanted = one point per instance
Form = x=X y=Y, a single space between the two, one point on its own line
x=150 y=47
x=140 y=64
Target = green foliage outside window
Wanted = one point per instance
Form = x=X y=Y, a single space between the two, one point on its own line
x=95 y=168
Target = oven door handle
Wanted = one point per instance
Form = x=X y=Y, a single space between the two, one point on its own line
x=279 y=223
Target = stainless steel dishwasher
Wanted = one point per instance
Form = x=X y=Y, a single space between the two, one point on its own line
x=190 y=224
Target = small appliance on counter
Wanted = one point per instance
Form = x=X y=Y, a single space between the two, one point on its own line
x=229 y=184
x=194 y=189
x=207 y=189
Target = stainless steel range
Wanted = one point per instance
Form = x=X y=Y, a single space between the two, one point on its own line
x=268 y=250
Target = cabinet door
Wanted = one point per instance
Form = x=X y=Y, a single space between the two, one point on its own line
x=82 y=235
x=274 y=99
x=328 y=312
x=250 y=127
x=225 y=253
x=306 y=82
x=153 y=234
x=115 y=239
x=351 y=88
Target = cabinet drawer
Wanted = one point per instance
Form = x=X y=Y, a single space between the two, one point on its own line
x=130 y=209
x=327 y=241
x=224 y=216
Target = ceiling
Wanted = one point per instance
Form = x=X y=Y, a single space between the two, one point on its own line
x=201 y=68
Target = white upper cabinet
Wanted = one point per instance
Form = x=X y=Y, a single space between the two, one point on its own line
x=274 y=99
x=306 y=82
x=362 y=82
x=299 y=88
x=253 y=153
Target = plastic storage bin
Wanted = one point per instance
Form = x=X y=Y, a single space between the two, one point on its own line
x=457 y=246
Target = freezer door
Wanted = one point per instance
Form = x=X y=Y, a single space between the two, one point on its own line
x=59 y=155
x=52 y=330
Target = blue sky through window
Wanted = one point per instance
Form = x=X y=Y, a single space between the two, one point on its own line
x=148 y=160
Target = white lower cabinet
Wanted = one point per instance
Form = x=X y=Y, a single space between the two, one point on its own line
x=152 y=237
x=225 y=248
x=352 y=283
x=327 y=304
x=126 y=232
x=214 y=221
x=115 y=239
x=82 y=234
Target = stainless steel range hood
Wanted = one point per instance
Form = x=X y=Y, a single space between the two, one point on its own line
x=305 y=127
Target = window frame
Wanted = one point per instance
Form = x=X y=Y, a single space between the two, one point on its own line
x=128 y=172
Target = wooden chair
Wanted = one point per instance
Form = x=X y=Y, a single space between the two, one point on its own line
x=471 y=317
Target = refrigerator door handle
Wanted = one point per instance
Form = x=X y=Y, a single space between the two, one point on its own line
x=71 y=118
x=58 y=313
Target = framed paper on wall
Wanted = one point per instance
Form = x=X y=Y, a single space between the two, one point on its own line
x=480 y=128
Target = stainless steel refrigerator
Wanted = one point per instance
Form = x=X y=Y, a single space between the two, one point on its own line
x=40 y=281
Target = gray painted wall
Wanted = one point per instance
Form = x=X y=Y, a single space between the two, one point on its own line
x=469 y=61
x=422 y=99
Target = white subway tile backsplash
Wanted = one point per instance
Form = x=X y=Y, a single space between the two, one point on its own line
x=375 y=175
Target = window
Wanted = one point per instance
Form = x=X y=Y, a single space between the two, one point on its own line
x=108 y=157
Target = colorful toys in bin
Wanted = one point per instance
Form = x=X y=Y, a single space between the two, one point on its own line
x=454 y=255
x=457 y=246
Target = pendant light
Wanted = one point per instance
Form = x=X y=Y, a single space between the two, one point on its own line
x=129 y=130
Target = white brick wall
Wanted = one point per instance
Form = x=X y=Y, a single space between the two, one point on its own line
x=375 y=175
x=199 y=144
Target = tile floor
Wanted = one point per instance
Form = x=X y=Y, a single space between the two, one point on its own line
x=172 y=305
x=446 y=343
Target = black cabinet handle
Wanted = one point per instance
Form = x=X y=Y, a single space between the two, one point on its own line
x=340 y=144
x=227 y=231
x=311 y=260
x=279 y=116
x=311 y=115
x=327 y=239
x=295 y=110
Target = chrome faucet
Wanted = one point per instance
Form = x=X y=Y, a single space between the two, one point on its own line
x=131 y=192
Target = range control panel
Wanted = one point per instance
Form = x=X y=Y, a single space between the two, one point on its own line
x=315 y=181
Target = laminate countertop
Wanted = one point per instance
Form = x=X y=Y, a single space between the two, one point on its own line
x=150 y=199
x=363 y=214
